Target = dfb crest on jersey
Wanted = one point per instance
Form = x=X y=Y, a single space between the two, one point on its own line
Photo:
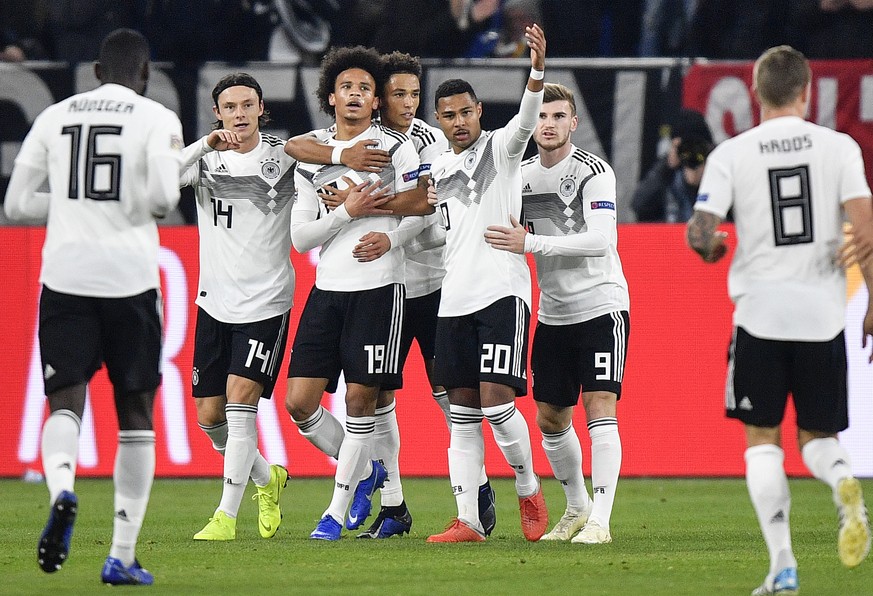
x=470 y=160
x=568 y=187
x=270 y=169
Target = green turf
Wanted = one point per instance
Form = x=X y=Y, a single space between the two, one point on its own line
x=670 y=537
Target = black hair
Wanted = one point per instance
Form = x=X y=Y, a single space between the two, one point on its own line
x=238 y=79
x=453 y=87
x=339 y=60
x=401 y=63
x=123 y=53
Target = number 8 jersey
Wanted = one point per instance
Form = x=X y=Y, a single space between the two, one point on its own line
x=786 y=180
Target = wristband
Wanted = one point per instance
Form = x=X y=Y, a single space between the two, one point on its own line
x=537 y=75
x=335 y=156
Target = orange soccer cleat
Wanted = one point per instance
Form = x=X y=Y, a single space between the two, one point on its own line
x=458 y=531
x=534 y=515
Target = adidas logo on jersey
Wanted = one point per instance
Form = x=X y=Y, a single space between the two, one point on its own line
x=221 y=169
x=526 y=188
x=745 y=404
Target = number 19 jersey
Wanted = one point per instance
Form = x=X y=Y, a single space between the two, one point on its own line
x=786 y=180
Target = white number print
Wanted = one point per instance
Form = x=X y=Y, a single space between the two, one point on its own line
x=256 y=350
x=375 y=358
x=603 y=360
x=495 y=359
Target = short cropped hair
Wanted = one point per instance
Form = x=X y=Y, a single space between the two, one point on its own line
x=558 y=92
x=453 y=87
x=238 y=79
x=123 y=54
x=780 y=76
x=339 y=60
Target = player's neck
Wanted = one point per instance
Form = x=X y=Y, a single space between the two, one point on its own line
x=250 y=143
x=349 y=129
x=549 y=158
x=798 y=108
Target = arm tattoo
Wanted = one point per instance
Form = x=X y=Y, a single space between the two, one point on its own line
x=700 y=231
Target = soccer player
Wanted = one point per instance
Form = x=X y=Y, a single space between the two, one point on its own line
x=111 y=158
x=352 y=319
x=789 y=182
x=244 y=185
x=582 y=333
x=481 y=343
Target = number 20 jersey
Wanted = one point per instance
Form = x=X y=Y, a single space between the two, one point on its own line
x=244 y=217
x=786 y=180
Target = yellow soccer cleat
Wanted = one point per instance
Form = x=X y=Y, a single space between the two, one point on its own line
x=269 y=513
x=220 y=527
x=854 y=537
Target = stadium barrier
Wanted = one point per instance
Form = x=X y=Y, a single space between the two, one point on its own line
x=670 y=416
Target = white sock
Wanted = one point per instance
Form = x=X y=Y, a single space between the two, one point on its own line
x=442 y=400
x=323 y=430
x=513 y=437
x=354 y=454
x=827 y=460
x=217 y=433
x=768 y=489
x=386 y=448
x=564 y=453
x=60 y=450
x=133 y=476
x=466 y=456
x=605 y=467
x=239 y=455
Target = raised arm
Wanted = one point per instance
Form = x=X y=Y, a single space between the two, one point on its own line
x=532 y=100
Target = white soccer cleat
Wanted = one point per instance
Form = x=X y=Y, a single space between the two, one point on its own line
x=570 y=523
x=592 y=533
x=853 y=542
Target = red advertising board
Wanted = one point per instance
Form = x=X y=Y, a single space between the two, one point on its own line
x=670 y=416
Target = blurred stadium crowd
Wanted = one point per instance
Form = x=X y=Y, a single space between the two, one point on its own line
x=194 y=31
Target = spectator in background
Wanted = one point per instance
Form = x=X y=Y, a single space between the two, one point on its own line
x=78 y=27
x=665 y=27
x=669 y=188
x=833 y=28
x=22 y=31
x=592 y=27
x=737 y=29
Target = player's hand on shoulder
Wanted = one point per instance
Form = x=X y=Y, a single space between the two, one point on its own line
x=536 y=41
x=371 y=246
x=367 y=198
x=508 y=239
x=362 y=157
x=223 y=140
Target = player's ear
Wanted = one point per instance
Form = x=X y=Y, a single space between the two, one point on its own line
x=331 y=99
x=98 y=71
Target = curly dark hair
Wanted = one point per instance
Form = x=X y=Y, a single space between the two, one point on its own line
x=238 y=79
x=339 y=60
x=401 y=63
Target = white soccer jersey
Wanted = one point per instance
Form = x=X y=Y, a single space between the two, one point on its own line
x=337 y=234
x=244 y=218
x=786 y=180
x=105 y=153
x=425 y=269
x=558 y=202
x=479 y=187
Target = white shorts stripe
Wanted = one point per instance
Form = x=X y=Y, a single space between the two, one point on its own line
x=619 y=350
x=393 y=347
x=276 y=347
x=518 y=342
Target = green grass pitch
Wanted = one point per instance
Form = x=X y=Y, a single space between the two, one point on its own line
x=670 y=537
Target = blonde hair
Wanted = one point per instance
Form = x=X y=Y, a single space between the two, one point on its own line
x=558 y=92
x=780 y=76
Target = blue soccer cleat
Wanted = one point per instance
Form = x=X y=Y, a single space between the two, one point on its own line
x=116 y=574
x=362 y=503
x=54 y=543
x=327 y=529
x=391 y=521
x=784 y=583
x=487 y=511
